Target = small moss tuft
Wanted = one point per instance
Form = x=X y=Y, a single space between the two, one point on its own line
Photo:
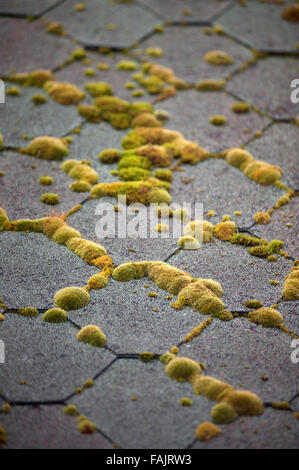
x=45 y=180
x=92 y=335
x=50 y=198
x=253 y=304
x=146 y=356
x=218 y=58
x=223 y=413
x=262 y=218
x=241 y=107
x=55 y=315
x=185 y=401
x=182 y=369
x=210 y=85
x=80 y=186
x=109 y=156
x=28 y=312
x=47 y=148
x=205 y=431
x=71 y=410
x=267 y=317
x=71 y=298
x=218 y=120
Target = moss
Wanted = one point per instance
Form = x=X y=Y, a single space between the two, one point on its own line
x=201 y=298
x=166 y=358
x=188 y=243
x=47 y=148
x=159 y=156
x=145 y=120
x=202 y=230
x=135 y=161
x=154 y=51
x=262 y=218
x=272 y=258
x=71 y=298
x=80 y=171
x=245 y=240
x=93 y=335
x=185 y=401
x=134 y=174
x=3 y=218
x=145 y=192
x=89 y=383
x=79 y=54
x=281 y=405
x=71 y=410
x=146 y=356
x=290 y=289
x=267 y=317
x=218 y=58
x=262 y=172
x=86 y=249
x=206 y=431
x=89 y=72
x=28 y=312
x=218 y=120
x=164 y=175
x=126 y=272
x=80 y=186
x=197 y=330
x=45 y=180
x=244 y=402
x=182 y=369
x=137 y=93
x=50 y=198
x=97 y=281
x=3 y=438
x=6 y=408
x=127 y=65
x=153 y=84
x=55 y=315
x=253 y=304
x=109 y=155
x=223 y=413
x=210 y=85
x=132 y=141
x=55 y=28
x=225 y=230
x=119 y=121
x=210 y=387
x=64 y=93
x=291 y=13
x=85 y=426
x=13 y=91
x=140 y=107
x=1 y=140
x=2 y=317
x=241 y=107
x=238 y=157
x=111 y=104
x=38 y=78
x=96 y=89
x=89 y=112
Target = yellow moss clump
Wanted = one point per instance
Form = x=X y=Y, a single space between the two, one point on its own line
x=262 y=218
x=28 y=312
x=225 y=230
x=79 y=54
x=158 y=155
x=238 y=157
x=50 y=198
x=3 y=437
x=45 y=180
x=97 y=281
x=205 y=431
x=57 y=230
x=145 y=120
x=185 y=401
x=85 y=426
x=291 y=13
x=92 y=335
x=71 y=410
x=218 y=58
x=202 y=230
x=96 y=89
x=262 y=172
x=47 y=148
x=71 y=298
x=163 y=211
x=197 y=331
x=64 y=93
x=127 y=65
x=146 y=192
x=154 y=51
x=13 y=91
x=38 y=99
x=146 y=356
x=89 y=112
x=253 y=304
x=3 y=218
x=201 y=298
x=80 y=171
x=182 y=369
x=290 y=289
x=241 y=107
x=244 y=402
x=218 y=120
x=210 y=387
x=38 y=78
x=55 y=315
x=109 y=155
x=1 y=140
x=86 y=249
x=267 y=317
x=129 y=271
x=223 y=413
x=210 y=85
x=188 y=243
x=80 y=186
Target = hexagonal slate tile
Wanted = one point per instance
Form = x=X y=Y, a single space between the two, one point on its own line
x=20 y=117
x=186 y=12
x=25 y=46
x=184 y=49
x=47 y=426
x=223 y=189
x=258 y=24
x=44 y=267
x=26 y=8
x=242 y=276
x=104 y=23
x=273 y=99
x=190 y=113
x=278 y=146
x=129 y=422
x=45 y=361
x=124 y=311
x=22 y=191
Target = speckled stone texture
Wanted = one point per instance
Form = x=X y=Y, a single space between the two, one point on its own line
x=267 y=86
x=184 y=50
x=260 y=25
x=190 y=11
x=26 y=46
x=92 y=26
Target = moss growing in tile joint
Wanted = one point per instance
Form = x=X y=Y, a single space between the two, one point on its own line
x=218 y=120
x=185 y=401
x=96 y=89
x=253 y=304
x=290 y=289
x=64 y=93
x=225 y=230
x=55 y=315
x=146 y=192
x=223 y=413
x=197 y=331
x=267 y=317
x=71 y=410
x=206 y=431
x=210 y=85
x=93 y=335
x=28 y=312
x=4 y=220
x=79 y=170
x=47 y=148
x=262 y=218
x=86 y=249
x=50 y=198
x=13 y=91
x=71 y=298
x=98 y=281
x=80 y=186
x=3 y=437
x=145 y=120
x=182 y=369
x=146 y=356
x=241 y=107
x=218 y=58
